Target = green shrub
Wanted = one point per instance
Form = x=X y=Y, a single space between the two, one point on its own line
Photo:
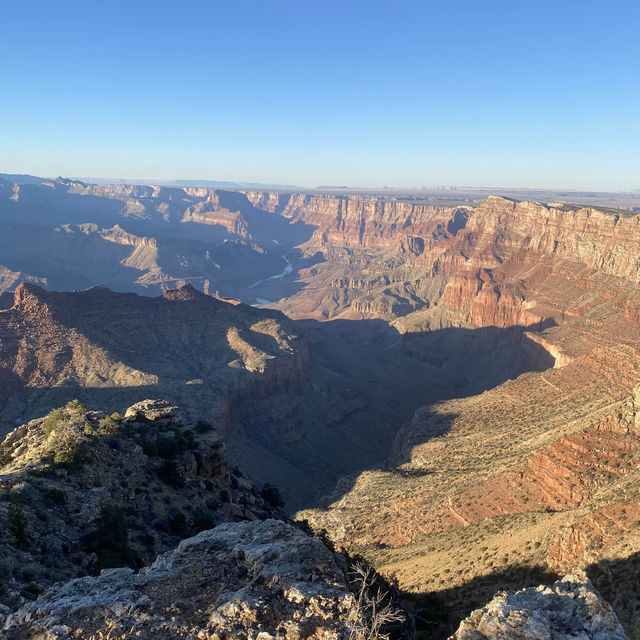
x=56 y=495
x=17 y=522
x=90 y=429
x=76 y=407
x=69 y=426
x=596 y=543
x=110 y=539
x=72 y=411
x=65 y=451
x=169 y=473
x=110 y=425
x=54 y=419
x=64 y=448
x=5 y=454
x=107 y=426
x=178 y=525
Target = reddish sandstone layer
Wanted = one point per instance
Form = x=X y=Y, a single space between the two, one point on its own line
x=102 y=339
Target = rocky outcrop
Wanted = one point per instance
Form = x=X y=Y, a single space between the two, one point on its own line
x=601 y=240
x=81 y=491
x=260 y=580
x=571 y=608
x=158 y=412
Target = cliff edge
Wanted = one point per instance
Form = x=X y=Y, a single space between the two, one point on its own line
x=242 y=580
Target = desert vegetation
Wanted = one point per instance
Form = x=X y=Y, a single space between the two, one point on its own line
x=81 y=491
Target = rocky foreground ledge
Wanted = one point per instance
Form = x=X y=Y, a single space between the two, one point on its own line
x=268 y=580
x=246 y=580
x=569 y=609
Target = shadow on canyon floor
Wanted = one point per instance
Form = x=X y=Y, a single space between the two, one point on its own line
x=438 y=614
x=362 y=382
x=618 y=580
x=394 y=375
x=336 y=414
x=270 y=229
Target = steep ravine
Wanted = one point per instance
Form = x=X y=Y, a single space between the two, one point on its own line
x=243 y=575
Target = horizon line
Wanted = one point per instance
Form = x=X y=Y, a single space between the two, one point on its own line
x=319 y=187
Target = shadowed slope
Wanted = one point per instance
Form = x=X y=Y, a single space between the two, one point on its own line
x=300 y=405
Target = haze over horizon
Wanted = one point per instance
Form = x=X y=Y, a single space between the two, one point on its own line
x=515 y=94
x=223 y=184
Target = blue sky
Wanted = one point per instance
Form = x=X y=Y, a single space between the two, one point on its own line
x=493 y=93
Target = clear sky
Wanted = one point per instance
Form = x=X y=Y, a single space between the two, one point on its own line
x=486 y=93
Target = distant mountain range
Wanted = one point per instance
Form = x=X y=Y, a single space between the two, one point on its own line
x=445 y=194
x=24 y=178
x=21 y=178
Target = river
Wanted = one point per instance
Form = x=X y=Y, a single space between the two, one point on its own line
x=288 y=268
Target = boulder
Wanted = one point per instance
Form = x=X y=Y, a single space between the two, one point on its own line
x=569 y=609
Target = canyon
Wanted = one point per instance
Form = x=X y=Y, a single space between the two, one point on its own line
x=449 y=391
x=246 y=573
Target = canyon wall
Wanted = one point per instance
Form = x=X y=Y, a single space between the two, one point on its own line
x=489 y=265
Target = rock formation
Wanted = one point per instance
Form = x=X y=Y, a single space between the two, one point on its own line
x=259 y=580
x=570 y=608
x=81 y=491
x=267 y=579
x=111 y=349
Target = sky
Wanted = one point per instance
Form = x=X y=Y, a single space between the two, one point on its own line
x=509 y=93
